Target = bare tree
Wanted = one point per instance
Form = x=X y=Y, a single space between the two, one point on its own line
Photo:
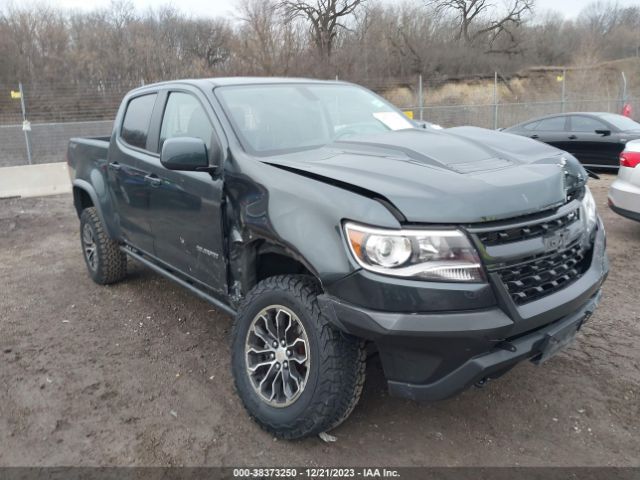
x=326 y=18
x=372 y=42
x=599 y=21
x=411 y=38
x=551 y=39
x=482 y=19
x=266 y=44
x=601 y=18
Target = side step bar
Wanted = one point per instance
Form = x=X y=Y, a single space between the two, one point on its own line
x=214 y=301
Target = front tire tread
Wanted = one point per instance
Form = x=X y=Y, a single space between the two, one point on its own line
x=342 y=367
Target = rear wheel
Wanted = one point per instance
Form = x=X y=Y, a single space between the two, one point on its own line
x=296 y=375
x=105 y=261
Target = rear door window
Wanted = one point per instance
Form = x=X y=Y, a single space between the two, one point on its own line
x=137 y=118
x=551 y=124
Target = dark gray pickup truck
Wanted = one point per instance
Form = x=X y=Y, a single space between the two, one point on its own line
x=329 y=225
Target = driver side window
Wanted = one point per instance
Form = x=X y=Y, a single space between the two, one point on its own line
x=586 y=124
x=184 y=116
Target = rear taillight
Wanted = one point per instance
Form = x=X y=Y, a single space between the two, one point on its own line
x=629 y=159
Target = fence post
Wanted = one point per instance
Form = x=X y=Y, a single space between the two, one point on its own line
x=624 y=92
x=26 y=127
x=420 y=97
x=564 y=91
x=495 y=100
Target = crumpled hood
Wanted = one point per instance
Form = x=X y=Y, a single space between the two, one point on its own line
x=458 y=175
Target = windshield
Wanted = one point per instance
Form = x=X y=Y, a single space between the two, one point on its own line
x=621 y=122
x=289 y=117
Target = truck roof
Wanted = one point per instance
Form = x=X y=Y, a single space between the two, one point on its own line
x=224 y=81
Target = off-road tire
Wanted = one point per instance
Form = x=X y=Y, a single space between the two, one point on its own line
x=337 y=362
x=111 y=263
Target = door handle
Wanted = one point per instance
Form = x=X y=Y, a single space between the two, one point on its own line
x=534 y=136
x=153 y=180
x=572 y=137
x=115 y=166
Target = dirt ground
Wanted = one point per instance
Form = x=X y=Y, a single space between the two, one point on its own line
x=138 y=374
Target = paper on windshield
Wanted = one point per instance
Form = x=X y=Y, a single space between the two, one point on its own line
x=393 y=120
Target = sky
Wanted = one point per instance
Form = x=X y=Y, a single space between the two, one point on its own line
x=210 y=8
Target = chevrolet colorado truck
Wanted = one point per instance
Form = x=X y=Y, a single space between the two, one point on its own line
x=329 y=225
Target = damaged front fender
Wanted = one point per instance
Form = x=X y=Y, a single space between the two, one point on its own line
x=293 y=215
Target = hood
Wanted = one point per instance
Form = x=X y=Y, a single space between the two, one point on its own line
x=458 y=175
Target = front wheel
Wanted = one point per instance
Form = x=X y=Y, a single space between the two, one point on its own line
x=295 y=374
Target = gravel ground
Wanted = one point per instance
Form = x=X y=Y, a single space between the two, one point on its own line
x=138 y=374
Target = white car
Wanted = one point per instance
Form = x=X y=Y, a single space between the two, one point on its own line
x=624 y=194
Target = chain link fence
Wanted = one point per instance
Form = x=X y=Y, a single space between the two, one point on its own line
x=498 y=102
x=502 y=115
x=52 y=114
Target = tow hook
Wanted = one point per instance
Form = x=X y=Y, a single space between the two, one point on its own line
x=481 y=383
x=504 y=345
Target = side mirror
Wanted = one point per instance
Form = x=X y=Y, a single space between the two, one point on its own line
x=184 y=153
x=426 y=125
x=604 y=133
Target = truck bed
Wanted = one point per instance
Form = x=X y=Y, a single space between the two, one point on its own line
x=86 y=157
x=87 y=150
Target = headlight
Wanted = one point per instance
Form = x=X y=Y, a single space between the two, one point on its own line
x=441 y=255
x=589 y=210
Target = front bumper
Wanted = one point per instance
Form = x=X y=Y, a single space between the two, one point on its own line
x=431 y=356
x=493 y=363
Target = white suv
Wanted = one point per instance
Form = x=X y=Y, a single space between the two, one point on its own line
x=624 y=194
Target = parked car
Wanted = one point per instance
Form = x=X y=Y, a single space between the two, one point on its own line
x=624 y=193
x=325 y=222
x=596 y=139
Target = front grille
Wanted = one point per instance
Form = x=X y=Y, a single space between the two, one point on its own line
x=541 y=276
x=516 y=234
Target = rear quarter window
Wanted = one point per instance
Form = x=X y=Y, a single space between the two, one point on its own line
x=137 y=118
